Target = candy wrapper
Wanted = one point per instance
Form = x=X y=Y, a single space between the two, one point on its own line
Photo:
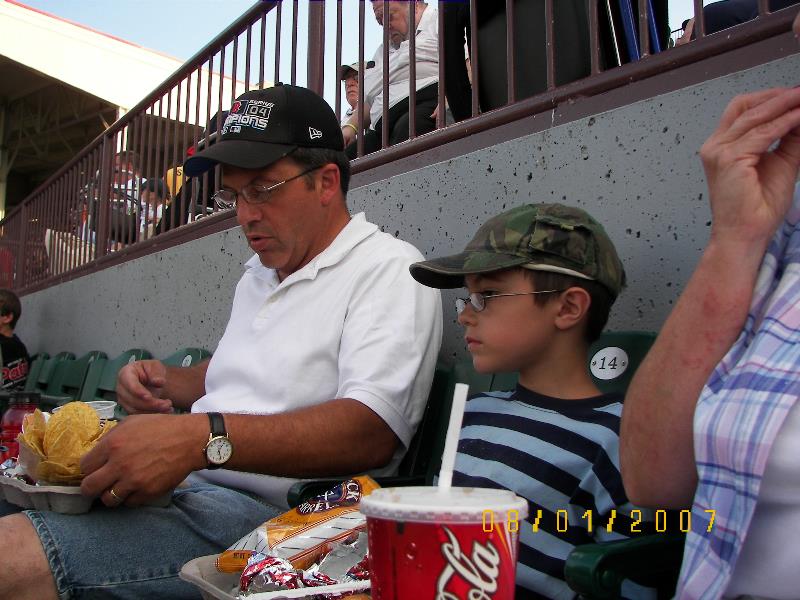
x=344 y=563
x=320 y=542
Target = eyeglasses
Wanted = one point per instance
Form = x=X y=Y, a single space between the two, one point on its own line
x=477 y=300
x=253 y=193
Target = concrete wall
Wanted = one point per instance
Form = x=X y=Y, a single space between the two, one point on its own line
x=635 y=168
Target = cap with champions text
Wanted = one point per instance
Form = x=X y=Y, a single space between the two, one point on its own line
x=263 y=126
x=540 y=237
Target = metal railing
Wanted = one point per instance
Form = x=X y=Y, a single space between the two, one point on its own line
x=99 y=210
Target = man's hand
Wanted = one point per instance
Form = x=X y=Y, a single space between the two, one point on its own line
x=140 y=386
x=144 y=457
x=751 y=187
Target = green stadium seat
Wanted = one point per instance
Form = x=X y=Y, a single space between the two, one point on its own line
x=101 y=378
x=37 y=363
x=596 y=571
x=39 y=381
x=67 y=379
x=186 y=357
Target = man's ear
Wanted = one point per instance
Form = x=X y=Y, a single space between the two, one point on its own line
x=575 y=303
x=329 y=182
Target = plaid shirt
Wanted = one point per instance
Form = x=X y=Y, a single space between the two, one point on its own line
x=739 y=413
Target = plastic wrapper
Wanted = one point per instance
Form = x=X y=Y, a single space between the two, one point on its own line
x=321 y=542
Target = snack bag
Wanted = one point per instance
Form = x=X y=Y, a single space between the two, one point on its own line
x=51 y=449
x=288 y=549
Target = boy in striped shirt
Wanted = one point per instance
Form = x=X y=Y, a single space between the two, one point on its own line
x=541 y=281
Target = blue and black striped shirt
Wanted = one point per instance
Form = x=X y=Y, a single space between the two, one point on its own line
x=563 y=457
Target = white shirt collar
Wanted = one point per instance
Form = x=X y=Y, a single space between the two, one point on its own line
x=356 y=230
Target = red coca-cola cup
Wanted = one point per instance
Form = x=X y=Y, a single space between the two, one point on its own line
x=444 y=544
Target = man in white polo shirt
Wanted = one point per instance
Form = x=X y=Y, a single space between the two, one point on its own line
x=323 y=370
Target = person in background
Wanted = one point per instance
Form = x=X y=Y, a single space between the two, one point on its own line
x=712 y=418
x=15 y=358
x=728 y=13
x=174 y=179
x=154 y=195
x=688 y=32
x=349 y=75
x=427 y=76
x=123 y=199
x=541 y=281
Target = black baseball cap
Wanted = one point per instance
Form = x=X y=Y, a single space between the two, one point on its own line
x=263 y=126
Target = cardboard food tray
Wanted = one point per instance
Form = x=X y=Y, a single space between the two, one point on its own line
x=222 y=586
x=65 y=499
x=58 y=498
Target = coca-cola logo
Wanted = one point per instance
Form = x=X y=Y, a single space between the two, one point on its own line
x=480 y=570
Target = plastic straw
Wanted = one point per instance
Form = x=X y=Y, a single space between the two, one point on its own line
x=451 y=441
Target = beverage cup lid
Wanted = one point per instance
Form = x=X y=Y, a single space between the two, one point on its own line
x=432 y=505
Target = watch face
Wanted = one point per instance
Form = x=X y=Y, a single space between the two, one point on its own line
x=219 y=450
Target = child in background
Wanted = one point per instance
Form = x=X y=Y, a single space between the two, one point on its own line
x=541 y=281
x=15 y=358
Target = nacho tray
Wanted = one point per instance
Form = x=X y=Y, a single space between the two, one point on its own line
x=65 y=499
x=58 y=498
x=214 y=585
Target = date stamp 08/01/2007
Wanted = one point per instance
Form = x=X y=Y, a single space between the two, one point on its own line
x=631 y=524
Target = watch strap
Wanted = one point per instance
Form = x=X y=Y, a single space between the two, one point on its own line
x=217 y=425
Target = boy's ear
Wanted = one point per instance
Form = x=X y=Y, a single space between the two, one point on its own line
x=575 y=303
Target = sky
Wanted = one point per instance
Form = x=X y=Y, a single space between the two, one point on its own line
x=180 y=28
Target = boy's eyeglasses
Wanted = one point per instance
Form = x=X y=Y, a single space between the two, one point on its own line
x=254 y=193
x=477 y=300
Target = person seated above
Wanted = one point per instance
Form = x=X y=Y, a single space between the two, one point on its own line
x=348 y=74
x=426 y=39
x=727 y=13
x=541 y=281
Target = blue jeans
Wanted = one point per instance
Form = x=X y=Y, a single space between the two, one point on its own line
x=136 y=553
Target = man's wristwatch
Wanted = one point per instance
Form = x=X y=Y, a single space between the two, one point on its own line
x=219 y=448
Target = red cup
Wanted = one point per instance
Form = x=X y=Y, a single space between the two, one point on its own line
x=426 y=543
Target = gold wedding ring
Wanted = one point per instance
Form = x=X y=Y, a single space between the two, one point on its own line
x=114 y=495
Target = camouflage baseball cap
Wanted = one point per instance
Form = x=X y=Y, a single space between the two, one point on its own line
x=544 y=237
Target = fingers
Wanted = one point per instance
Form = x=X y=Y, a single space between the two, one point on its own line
x=743 y=103
x=140 y=385
x=789 y=148
x=752 y=124
x=764 y=119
